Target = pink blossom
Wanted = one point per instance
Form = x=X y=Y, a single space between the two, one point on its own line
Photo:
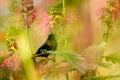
x=12 y=63
x=44 y=25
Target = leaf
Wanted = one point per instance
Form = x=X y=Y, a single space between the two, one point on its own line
x=2 y=36
x=56 y=70
x=1 y=59
x=90 y=58
x=105 y=65
x=4 y=73
x=93 y=55
x=14 y=5
x=57 y=8
x=95 y=51
x=71 y=58
x=114 y=58
x=103 y=77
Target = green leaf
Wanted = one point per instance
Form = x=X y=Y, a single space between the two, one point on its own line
x=114 y=58
x=57 y=8
x=105 y=65
x=69 y=57
x=103 y=77
x=4 y=73
x=1 y=59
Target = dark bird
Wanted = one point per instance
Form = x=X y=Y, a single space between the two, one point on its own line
x=50 y=44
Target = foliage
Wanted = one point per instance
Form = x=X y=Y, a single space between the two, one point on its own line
x=109 y=17
x=11 y=39
x=14 y=5
x=103 y=77
x=57 y=9
x=73 y=2
x=69 y=57
x=21 y=31
x=114 y=58
x=56 y=14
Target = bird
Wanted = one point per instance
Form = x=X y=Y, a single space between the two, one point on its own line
x=50 y=44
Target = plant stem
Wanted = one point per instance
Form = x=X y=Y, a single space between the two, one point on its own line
x=26 y=49
x=67 y=76
x=107 y=33
x=63 y=7
x=29 y=39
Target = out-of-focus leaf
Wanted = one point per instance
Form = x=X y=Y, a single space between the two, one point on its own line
x=90 y=58
x=94 y=52
x=73 y=2
x=2 y=36
x=55 y=70
x=57 y=8
x=93 y=56
x=114 y=58
x=1 y=60
x=4 y=72
x=111 y=77
x=41 y=62
x=71 y=58
x=14 y=5
x=105 y=65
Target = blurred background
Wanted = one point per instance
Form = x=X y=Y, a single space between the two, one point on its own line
x=83 y=27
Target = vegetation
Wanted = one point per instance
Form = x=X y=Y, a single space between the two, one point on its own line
x=39 y=44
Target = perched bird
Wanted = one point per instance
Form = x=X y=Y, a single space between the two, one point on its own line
x=50 y=44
